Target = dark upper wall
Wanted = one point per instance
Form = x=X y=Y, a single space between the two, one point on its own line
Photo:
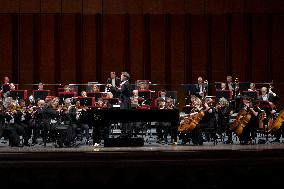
x=142 y=6
x=211 y=38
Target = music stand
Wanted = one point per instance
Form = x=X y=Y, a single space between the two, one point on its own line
x=5 y=88
x=251 y=94
x=19 y=94
x=65 y=95
x=87 y=101
x=244 y=86
x=145 y=94
x=40 y=94
x=223 y=93
x=97 y=95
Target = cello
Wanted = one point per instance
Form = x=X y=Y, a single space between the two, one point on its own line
x=189 y=123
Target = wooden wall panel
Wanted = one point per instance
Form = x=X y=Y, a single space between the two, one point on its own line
x=219 y=37
x=194 y=7
x=171 y=6
x=26 y=49
x=157 y=29
x=278 y=54
x=47 y=65
x=92 y=6
x=153 y=7
x=136 y=45
x=238 y=47
x=177 y=54
x=68 y=49
x=9 y=6
x=72 y=6
x=51 y=6
x=113 y=44
x=6 y=46
x=123 y=7
x=89 y=48
x=30 y=6
x=259 y=48
x=199 y=46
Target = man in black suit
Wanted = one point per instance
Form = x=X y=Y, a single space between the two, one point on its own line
x=125 y=91
x=113 y=81
x=200 y=88
x=125 y=101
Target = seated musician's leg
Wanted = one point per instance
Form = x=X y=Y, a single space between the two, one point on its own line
x=159 y=132
x=97 y=132
x=125 y=130
x=85 y=129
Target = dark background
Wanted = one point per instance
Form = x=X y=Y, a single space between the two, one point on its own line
x=165 y=41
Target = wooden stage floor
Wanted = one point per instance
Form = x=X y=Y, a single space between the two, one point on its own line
x=152 y=165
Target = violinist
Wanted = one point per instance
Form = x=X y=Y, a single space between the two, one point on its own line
x=82 y=120
x=22 y=122
x=223 y=112
x=162 y=128
x=12 y=131
x=70 y=121
x=38 y=120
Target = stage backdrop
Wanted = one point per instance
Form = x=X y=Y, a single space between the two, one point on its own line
x=168 y=42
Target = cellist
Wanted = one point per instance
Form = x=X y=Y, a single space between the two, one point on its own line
x=194 y=134
x=251 y=107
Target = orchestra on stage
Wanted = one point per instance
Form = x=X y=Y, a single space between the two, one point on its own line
x=87 y=114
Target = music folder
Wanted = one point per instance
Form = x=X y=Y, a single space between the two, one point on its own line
x=97 y=95
x=224 y=93
x=251 y=94
x=65 y=95
x=40 y=94
x=87 y=101
x=19 y=94
x=145 y=94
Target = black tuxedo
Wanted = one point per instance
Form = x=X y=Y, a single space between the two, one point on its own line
x=112 y=90
x=125 y=94
x=197 y=89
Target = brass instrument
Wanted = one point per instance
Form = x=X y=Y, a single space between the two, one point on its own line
x=205 y=90
x=237 y=86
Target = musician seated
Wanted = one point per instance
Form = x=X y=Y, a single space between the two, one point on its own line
x=247 y=133
x=223 y=86
x=270 y=95
x=83 y=94
x=252 y=87
x=95 y=88
x=195 y=134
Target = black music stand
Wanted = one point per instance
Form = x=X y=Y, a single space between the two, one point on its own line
x=65 y=95
x=5 y=88
x=223 y=93
x=244 y=86
x=145 y=94
x=97 y=95
x=251 y=94
x=87 y=101
x=40 y=94
x=19 y=94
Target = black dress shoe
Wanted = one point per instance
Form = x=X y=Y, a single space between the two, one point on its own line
x=229 y=142
x=276 y=140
